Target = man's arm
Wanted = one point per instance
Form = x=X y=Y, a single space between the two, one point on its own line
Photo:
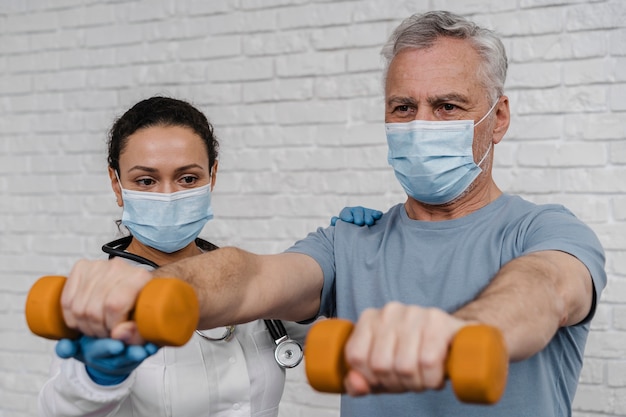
x=531 y=297
x=233 y=286
x=404 y=347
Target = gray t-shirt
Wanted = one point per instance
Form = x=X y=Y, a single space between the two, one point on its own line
x=446 y=264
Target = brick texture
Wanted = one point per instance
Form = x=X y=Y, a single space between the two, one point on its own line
x=293 y=88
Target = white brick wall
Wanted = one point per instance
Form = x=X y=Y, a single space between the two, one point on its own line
x=293 y=88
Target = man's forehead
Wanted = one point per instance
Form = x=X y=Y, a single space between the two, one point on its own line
x=447 y=67
x=436 y=89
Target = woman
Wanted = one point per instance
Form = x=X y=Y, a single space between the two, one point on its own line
x=163 y=166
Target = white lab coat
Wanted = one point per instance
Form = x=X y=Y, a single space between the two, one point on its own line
x=239 y=377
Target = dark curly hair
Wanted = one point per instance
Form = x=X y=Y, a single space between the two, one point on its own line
x=160 y=111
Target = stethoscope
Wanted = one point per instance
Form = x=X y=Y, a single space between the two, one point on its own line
x=288 y=352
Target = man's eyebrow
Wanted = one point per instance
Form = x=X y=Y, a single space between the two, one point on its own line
x=401 y=100
x=459 y=98
x=432 y=101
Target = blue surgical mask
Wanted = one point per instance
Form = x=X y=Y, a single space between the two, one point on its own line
x=434 y=161
x=167 y=222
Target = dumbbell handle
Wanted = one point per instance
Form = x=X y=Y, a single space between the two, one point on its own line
x=166 y=311
x=477 y=363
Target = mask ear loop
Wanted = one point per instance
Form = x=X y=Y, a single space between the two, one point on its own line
x=490 y=110
x=485 y=156
x=480 y=121
x=119 y=181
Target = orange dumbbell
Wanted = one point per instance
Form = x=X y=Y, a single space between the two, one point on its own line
x=166 y=311
x=477 y=362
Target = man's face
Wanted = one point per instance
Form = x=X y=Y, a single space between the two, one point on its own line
x=438 y=83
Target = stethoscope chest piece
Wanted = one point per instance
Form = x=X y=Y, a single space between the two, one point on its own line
x=288 y=353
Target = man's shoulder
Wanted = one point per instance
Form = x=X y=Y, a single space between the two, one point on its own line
x=517 y=204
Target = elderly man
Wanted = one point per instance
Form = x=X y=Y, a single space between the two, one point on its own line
x=457 y=252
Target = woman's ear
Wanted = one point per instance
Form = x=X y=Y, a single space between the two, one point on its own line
x=503 y=119
x=115 y=185
x=214 y=174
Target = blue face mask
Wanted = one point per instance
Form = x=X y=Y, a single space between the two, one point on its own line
x=167 y=222
x=434 y=161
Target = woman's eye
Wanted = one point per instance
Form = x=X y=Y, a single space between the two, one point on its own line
x=145 y=181
x=189 y=179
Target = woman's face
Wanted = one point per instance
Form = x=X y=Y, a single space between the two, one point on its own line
x=163 y=159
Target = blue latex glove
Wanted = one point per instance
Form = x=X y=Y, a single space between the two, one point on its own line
x=357 y=215
x=107 y=361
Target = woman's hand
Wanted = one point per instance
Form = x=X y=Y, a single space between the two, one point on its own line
x=107 y=361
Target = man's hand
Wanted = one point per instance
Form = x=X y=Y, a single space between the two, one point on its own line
x=399 y=348
x=99 y=296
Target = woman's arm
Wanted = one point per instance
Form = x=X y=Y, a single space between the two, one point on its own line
x=70 y=392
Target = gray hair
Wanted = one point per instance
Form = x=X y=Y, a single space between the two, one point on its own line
x=420 y=31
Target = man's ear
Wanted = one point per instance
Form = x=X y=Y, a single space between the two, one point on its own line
x=503 y=119
x=115 y=185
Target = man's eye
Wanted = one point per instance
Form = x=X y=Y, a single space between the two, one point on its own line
x=448 y=107
x=405 y=108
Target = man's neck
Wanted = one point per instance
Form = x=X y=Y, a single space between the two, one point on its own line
x=472 y=200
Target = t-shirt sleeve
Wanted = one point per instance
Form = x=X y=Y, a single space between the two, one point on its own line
x=320 y=246
x=556 y=228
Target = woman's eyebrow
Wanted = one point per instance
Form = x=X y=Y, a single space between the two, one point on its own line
x=188 y=167
x=152 y=170
x=142 y=168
